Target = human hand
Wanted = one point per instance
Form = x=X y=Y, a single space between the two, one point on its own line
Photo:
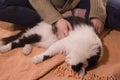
x=99 y=26
x=63 y=27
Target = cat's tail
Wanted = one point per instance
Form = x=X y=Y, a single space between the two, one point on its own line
x=7 y=40
x=20 y=42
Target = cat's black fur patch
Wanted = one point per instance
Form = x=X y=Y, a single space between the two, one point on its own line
x=77 y=67
x=75 y=20
x=12 y=38
x=54 y=29
x=94 y=59
x=26 y=40
x=46 y=57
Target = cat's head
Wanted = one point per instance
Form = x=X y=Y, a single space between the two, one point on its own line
x=82 y=66
x=88 y=54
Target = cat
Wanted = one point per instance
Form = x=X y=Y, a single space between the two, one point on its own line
x=83 y=47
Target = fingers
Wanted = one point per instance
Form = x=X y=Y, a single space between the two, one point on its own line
x=66 y=32
x=62 y=34
x=99 y=26
x=99 y=30
x=63 y=28
x=69 y=26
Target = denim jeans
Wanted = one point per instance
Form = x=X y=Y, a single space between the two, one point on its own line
x=18 y=11
x=113 y=13
x=21 y=12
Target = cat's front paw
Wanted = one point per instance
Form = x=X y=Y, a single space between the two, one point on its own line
x=37 y=59
x=27 y=49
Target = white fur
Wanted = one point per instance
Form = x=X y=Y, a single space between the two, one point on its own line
x=5 y=48
x=81 y=44
x=27 y=49
x=45 y=30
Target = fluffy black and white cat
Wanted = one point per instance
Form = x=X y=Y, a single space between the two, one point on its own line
x=83 y=48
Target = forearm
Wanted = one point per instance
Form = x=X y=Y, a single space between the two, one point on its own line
x=98 y=9
x=46 y=10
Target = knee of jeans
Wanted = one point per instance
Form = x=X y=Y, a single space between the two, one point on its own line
x=113 y=8
x=113 y=18
x=114 y=3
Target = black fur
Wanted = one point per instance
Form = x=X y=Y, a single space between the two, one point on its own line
x=46 y=57
x=12 y=38
x=77 y=67
x=94 y=59
x=26 y=40
x=91 y=62
x=75 y=20
x=54 y=29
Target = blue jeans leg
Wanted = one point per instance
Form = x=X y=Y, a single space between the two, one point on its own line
x=24 y=3
x=18 y=12
x=113 y=13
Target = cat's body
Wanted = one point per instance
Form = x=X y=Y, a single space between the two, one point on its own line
x=82 y=46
